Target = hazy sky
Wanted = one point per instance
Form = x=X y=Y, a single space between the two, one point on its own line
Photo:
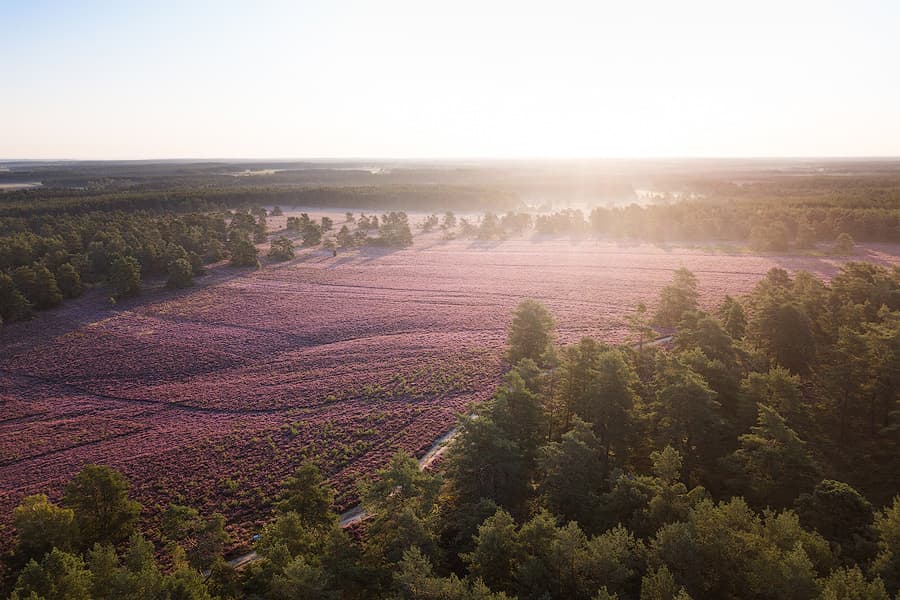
x=453 y=78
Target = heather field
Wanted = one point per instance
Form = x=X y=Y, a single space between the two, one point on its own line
x=213 y=395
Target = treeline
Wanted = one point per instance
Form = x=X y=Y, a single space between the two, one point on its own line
x=392 y=230
x=762 y=229
x=25 y=203
x=767 y=226
x=47 y=258
x=87 y=547
x=752 y=456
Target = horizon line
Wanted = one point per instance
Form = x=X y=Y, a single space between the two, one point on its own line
x=455 y=158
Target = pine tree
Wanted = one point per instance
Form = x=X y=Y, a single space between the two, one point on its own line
x=772 y=463
x=531 y=331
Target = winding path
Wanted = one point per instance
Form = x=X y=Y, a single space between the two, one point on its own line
x=356 y=513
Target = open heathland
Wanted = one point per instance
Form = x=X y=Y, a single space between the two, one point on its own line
x=211 y=396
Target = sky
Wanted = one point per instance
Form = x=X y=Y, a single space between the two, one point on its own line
x=448 y=79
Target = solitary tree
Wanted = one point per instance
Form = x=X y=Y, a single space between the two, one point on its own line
x=281 y=249
x=311 y=233
x=244 y=254
x=344 y=237
x=449 y=220
x=395 y=229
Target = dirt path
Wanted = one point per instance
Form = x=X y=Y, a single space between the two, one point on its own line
x=440 y=445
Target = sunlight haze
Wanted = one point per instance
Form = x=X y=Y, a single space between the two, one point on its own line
x=451 y=79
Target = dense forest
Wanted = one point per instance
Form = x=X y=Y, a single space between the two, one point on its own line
x=752 y=454
x=25 y=203
x=666 y=199
x=49 y=257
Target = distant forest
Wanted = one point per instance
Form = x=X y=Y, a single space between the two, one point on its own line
x=121 y=222
x=652 y=200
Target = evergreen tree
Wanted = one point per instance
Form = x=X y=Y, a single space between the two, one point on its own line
x=402 y=499
x=308 y=494
x=639 y=326
x=887 y=563
x=676 y=298
x=103 y=511
x=772 y=463
x=777 y=388
x=573 y=473
x=41 y=526
x=485 y=464
x=38 y=284
x=660 y=585
x=847 y=376
x=181 y=274
x=517 y=411
x=13 y=304
x=394 y=229
x=69 y=281
x=842 y=515
x=851 y=584
x=726 y=550
x=282 y=248
x=609 y=403
x=59 y=576
x=733 y=317
x=244 y=254
x=497 y=552
x=844 y=243
x=311 y=234
x=784 y=332
x=125 y=276
x=686 y=416
x=344 y=237
x=415 y=579
x=531 y=331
